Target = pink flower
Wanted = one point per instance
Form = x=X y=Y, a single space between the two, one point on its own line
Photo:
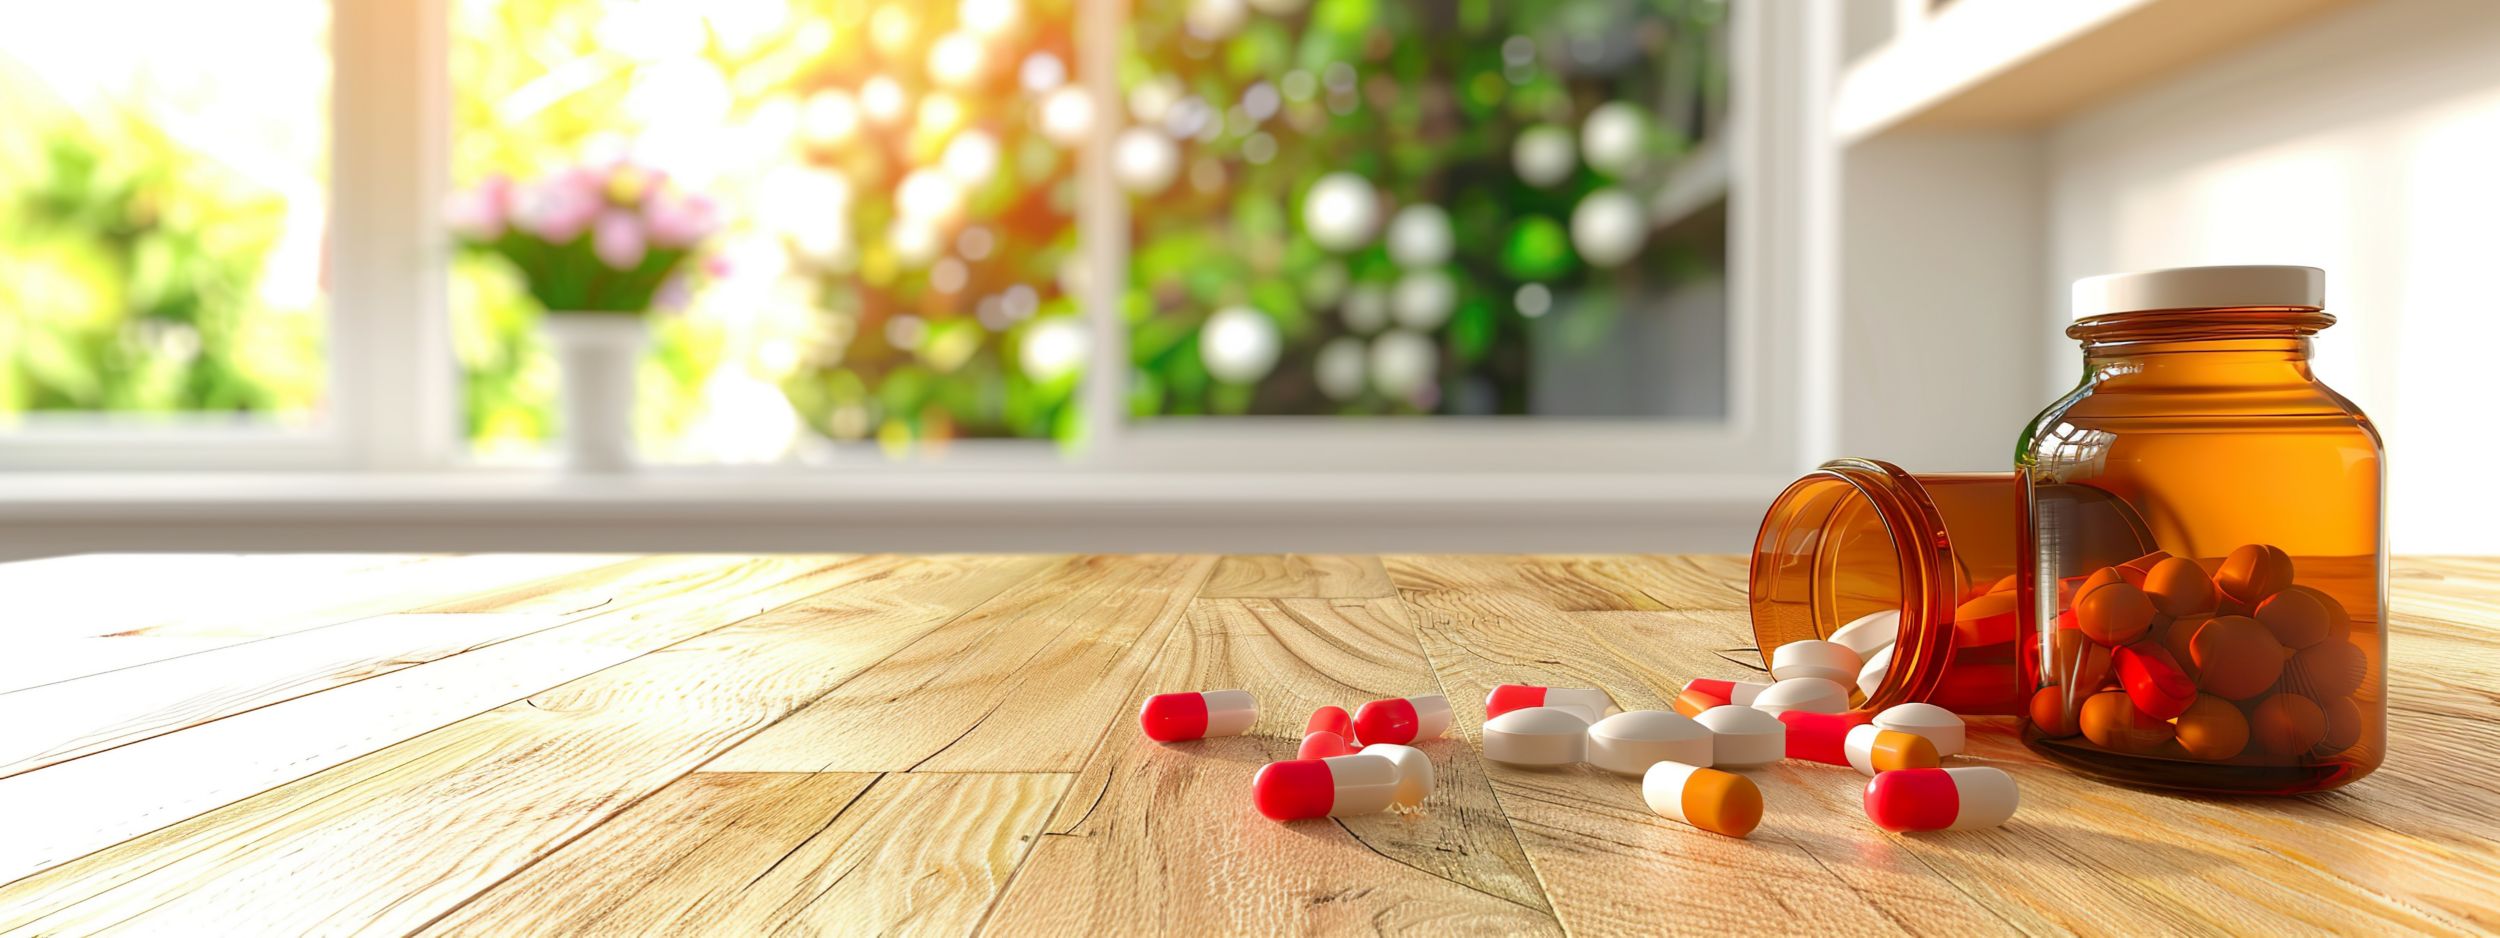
x=618 y=240
x=479 y=214
x=557 y=209
x=678 y=221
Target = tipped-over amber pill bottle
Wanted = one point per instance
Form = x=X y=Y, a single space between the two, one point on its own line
x=2243 y=650
x=1939 y=551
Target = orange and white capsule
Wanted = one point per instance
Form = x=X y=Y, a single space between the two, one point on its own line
x=1739 y=693
x=1959 y=798
x=1402 y=720
x=1170 y=718
x=1715 y=801
x=1590 y=703
x=1874 y=750
x=1339 y=786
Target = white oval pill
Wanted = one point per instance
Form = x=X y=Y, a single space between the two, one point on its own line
x=1872 y=676
x=1811 y=694
x=1743 y=737
x=1414 y=771
x=1536 y=736
x=1941 y=726
x=1830 y=661
x=1629 y=743
x=1870 y=633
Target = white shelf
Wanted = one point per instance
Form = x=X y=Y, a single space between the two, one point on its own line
x=2000 y=64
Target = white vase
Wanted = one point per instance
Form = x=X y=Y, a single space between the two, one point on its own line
x=596 y=354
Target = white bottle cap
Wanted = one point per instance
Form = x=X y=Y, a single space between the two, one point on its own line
x=2200 y=288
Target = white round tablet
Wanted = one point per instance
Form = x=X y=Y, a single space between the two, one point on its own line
x=1629 y=743
x=1536 y=736
x=1872 y=676
x=1743 y=737
x=1831 y=661
x=1870 y=632
x=1812 y=694
x=1941 y=726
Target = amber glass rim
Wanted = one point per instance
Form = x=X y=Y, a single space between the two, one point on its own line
x=1923 y=555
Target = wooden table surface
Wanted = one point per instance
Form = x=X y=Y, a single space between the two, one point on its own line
x=503 y=745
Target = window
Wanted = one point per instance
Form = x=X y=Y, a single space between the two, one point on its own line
x=1125 y=229
x=1409 y=208
x=162 y=215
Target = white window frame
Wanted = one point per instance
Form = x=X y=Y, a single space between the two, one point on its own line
x=394 y=383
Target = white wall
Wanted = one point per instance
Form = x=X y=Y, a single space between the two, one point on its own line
x=1939 y=284
x=2366 y=143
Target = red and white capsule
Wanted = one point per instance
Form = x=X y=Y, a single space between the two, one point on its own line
x=1589 y=703
x=1171 y=718
x=1402 y=720
x=1339 y=786
x=1320 y=744
x=1330 y=719
x=1822 y=737
x=1739 y=693
x=1959 y=798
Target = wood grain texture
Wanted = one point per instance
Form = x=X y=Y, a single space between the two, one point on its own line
x=73 y=616
x=1282 y=576
x=1154 y=834
x=460 y=808
x=1026 y=683
x=739 y=853
x=539 y=750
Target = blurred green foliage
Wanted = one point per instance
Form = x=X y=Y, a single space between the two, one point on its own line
x=133 y=279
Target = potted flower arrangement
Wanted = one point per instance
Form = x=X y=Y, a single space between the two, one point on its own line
x=595 y=244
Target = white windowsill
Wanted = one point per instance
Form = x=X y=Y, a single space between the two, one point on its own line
x=968 y=510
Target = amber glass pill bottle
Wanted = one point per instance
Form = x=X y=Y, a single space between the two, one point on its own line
x=1941 y=550
x=2243 y=651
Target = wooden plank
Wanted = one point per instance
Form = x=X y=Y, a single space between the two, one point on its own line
x=174 y=776
x=1580 y=584
x=1154 y=836
x=1588 y=831
x=742 y=853
x=76 y=616
x=391 y=841
x=1026 y=683
x=1245 y=576
x=56 y=722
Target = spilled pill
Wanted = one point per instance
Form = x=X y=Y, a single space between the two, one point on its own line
x=1414 y=771
x=1874 y=750
x=1715 y=801
x=1540 y=736
x=1830 y=661
x=1870 y=633
x=1877 y=665
x=1402 y=720
x=1959 y=798
x=1196 y=715
x=1802 y=693
x=1691 y=703
x=1592 y=704
x=1941 y=726
x=1740 y=693
x=1743 y=737
x=1320 y=744
x=1339 y=786
x=1821 y=737
x=1629 y=743
x=1331 y=719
